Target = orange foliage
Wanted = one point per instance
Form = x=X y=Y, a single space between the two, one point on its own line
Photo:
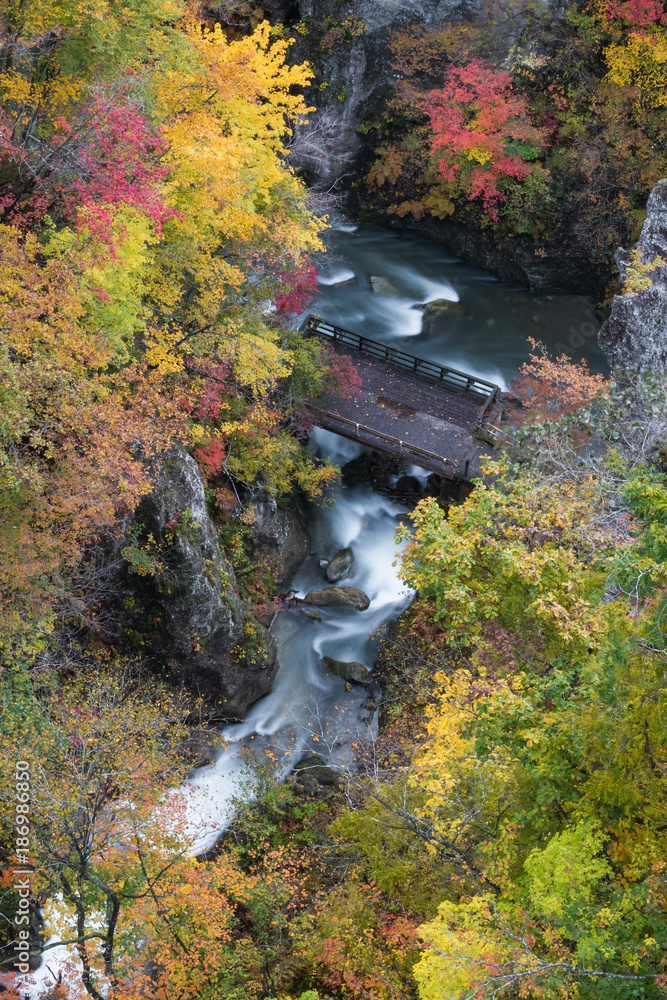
x=552 y=388
x=78 y=432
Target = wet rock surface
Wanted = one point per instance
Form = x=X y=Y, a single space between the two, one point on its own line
x=187 y=614
x=339 y=567
x=313 y=777
x=408 y=485
x=338 y=597
x=634 y=338
x=558 y=262
x=349 y=670
x=372 y=469
x=382 y=286
x=279 y=536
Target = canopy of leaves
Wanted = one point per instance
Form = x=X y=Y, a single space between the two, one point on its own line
x=149 y=220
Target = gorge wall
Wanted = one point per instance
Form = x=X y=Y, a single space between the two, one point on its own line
x=356 y=69
x=181 y=602
x=634 y=338
x=348 y=45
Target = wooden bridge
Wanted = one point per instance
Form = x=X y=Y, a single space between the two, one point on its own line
x=434 y=416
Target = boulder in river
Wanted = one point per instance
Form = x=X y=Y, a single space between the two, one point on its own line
x=442 y=307
x=339 y=567
x=311 y=773
x=382 y=286
x=408 y=484
x=349 y=670
x=338 y=597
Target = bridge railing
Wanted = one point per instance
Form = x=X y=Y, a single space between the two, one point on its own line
x=451 y=378
x=429 y=459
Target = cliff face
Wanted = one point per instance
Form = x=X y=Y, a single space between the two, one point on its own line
x=634 y=338
x=356 y=73
x=186 y=612
x=279 y=537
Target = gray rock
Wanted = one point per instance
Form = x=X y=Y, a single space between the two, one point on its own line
x=373 y=698
x=349 y=670
x=338 y=597
x=189 y=616
x=339 y=567
x=313 y=615
x=279 y=536
x=382 y=286
x=442 y=307
x=326 y=145
x=634 y=338
x=371 y=468
x=313 y=769
x=408 y=484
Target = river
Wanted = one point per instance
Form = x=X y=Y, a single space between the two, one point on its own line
x=486 y=328
x=376 y=282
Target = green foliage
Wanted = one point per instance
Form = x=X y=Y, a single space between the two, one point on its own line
x=142 y=558
x=269 y=811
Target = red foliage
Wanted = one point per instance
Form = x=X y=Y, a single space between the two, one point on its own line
x=109 y=156
x=300 y=288
x=303 y=423
x=119 y=165
x=205 y=399
x=553 y=387
x=480 y=122
x=639 y=13
x=211 y=456
x=342 y=378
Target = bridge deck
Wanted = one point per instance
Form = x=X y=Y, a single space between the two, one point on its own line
x=423 y=412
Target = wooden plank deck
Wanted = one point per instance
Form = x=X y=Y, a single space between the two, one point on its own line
x=426 y=413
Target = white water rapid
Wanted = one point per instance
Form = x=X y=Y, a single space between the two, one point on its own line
x=309 y=709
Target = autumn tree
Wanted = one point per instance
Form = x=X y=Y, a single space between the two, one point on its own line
x=481 y=132
x=551 y=388
x=591 y=86
x=154 y=200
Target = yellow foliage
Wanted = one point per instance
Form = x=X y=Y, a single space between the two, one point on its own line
x=641 y=62
x=478 y=154
x=225 y=115
x=463 y=950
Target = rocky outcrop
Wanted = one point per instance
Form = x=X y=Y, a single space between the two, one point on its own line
x=408 y=485
x=338 y=597
x=382 y=286
x=313 y=777
x=349 y=670
x=634 y=338
x=356 y=68
x=185 y=610
x=339 y=567
x=279 y=537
